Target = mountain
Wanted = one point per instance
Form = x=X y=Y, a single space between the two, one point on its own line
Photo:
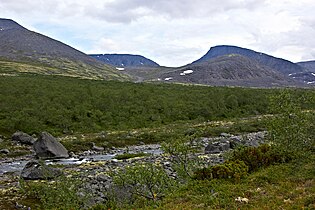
x=283 y=66
x=125 y=60
x=309 y=75
x=229 y=70
x=309 y=65
x=27 y=51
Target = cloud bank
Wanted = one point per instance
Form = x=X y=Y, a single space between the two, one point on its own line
x=172 y=32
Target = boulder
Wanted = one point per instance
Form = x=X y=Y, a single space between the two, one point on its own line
x=23 y=138
x=47 y=147
x=34 y=170
x=96 y=148
x=4 y=151
x=212 y=149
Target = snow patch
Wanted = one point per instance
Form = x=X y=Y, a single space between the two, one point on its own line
x=141 y=63
x=168 y=78
x=107 y=59
x=189 y=71
x=313 y=82
x=313 y=74
x=120 y=69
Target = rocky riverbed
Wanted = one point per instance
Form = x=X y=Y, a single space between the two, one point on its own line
x=93 y=167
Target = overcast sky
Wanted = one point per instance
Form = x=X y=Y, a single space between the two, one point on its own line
x=172 y=32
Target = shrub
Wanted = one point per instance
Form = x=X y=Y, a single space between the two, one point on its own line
x=129 y=155
x=261 y=156
x=146 y=181
x=59 y=194
x=291 y=128
x=229 y=170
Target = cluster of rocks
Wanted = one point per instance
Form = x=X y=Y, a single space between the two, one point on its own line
x=227 y=142
x=45 y=147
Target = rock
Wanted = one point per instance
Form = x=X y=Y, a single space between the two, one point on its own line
x=103 y=178
x=96 y=148
x=23 y=138
x=48 y=147
x=225 y=135
x=224 y=146
x=212 y=149
x=73 y=155
x=4 y=151
x=34 y=170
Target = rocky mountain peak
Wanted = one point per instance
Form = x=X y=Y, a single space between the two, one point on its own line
x=6 y=24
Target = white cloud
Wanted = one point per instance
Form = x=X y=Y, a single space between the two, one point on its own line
x=172 y=32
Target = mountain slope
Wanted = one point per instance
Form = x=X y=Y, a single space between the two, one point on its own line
x=278 y=64
x=235 y=70
x=309 y=65
x=19 y=46
x=125 y=60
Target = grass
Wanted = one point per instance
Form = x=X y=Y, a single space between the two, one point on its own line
x=130 y=155
x=79 y=142
x=283 y=186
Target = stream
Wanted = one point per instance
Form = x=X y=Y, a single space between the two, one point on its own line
x=17 y=165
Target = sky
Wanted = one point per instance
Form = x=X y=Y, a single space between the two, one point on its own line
x=172 y=32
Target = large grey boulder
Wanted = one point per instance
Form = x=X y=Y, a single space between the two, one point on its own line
x=47 y=147
x=4 y=151
x=34 y=170
x=23 y=138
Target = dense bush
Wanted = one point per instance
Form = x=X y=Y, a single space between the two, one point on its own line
x=228 y=170
x=143 y=181
x=62 y=193
x=292 y=128
x=258 y=157
x=65 y=105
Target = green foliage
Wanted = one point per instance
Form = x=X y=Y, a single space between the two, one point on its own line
x=292 y=129
x=130 y=155
x=261 y=156
x=65 y=105
x=281 y=186
x=144 y=181
x=59 y=194
x=183 y=156
x=228 y=170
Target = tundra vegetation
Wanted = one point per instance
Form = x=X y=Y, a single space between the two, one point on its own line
x=279 y=174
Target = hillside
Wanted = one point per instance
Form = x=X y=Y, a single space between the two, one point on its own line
x=29 y=51
x=283 y=66
x=229 y=70
x=125 y=60
x=309 y=65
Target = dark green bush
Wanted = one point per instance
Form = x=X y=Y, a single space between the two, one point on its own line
x=130 y=155
x=262 y=156
x=229 y=170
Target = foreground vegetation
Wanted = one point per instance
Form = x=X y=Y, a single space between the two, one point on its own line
x=278 y=175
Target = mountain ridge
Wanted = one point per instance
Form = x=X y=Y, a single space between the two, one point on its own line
x=230 y=70
x=125 y=60
x=279 y=64
x=22 y=45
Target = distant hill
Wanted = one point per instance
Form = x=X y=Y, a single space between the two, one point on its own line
x=283 y=66
x=308 y=76
x=125 y=60
x=28 y=51
x=309 y=65
x=229 y=70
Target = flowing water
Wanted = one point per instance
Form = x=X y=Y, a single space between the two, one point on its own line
x=16 y=166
